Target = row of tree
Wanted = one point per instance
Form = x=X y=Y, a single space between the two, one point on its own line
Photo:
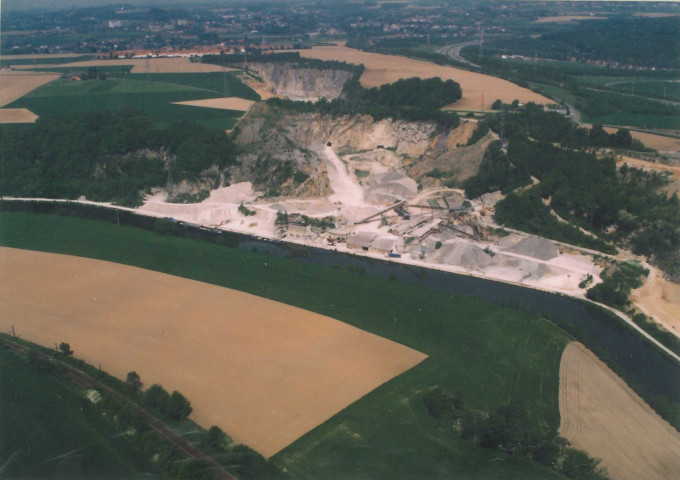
x=412 y=99
x=509 y=429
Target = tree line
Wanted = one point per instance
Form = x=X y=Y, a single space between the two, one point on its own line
x=411 y=99
x=623 y=205
x=508 y=429
x=115 y=155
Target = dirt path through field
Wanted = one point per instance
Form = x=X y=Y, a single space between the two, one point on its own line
x=479 y=91
x=659 y=299
x=603 y=416
x=264 y=372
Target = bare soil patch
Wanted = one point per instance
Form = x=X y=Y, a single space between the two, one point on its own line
x=264 y=372
x=653 y=166
x=658 y=142
x=17 y=115
x=603 y=416
x=146 y=65
x=16 y=84
x=227 y=103
x=479 y=91
x=660 y=299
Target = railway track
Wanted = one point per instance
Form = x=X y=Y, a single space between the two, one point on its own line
x=82 y=379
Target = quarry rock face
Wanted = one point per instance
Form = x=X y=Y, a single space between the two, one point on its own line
x=302 y=83
x=361 y=141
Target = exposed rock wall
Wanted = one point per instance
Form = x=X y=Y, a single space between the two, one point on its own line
x=302 y=83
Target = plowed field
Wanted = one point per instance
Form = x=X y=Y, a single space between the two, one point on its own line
x=264 y=372
x=603 y=416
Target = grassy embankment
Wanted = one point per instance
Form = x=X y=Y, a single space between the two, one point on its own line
x=492 y=354
x=50 y=431
x=153 y=94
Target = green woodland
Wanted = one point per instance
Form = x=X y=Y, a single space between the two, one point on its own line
x=113 y=155
x=588 y=191
x=411 y=99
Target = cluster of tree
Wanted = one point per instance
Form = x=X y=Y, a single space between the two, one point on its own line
x=410 y=99
x=533 y=121
x=625 y=205
x=525 y=211
x=509 y=429
x=618 y=280
x=292 y=58
x=106 y=156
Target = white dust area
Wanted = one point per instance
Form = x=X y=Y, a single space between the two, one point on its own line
x=345 y=190
x=479 y=91
x=144 y=65
x=659 y=299
x=15 y=84
x=225 y=103
x=264 y=372
x=605 y=417
x=568 y=18
x=535 y=247
x=17 y=115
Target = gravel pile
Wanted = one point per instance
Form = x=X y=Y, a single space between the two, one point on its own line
x=534 y=247
x=464 y=254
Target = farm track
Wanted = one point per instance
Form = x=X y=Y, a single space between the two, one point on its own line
x=83 y=380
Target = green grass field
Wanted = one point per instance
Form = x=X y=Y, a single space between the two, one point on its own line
x=155 y=98
x=222 y=83
x=50 y=431
x=492 y=354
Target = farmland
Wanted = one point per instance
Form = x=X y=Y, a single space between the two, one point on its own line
x=600 y=413
x=155 y=97
x=14 y=85
x=465 y=340
x=479 y=91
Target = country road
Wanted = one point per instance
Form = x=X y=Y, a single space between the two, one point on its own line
x=453 y=52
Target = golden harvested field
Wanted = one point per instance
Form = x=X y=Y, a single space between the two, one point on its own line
x=382 y=69
x=146 y=65
x=17 y=115
x=603 y=416
x=658 y=142
x=226 y=103
x=264 y=372
x=16 y=84
x=660 y=299
x=567 y=18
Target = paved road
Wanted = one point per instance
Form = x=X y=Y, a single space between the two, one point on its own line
x=453 y=52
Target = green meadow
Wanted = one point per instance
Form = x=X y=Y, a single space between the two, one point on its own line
x=153 y=95
x=493 y=355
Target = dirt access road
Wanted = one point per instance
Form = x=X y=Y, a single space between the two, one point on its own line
x=264 y=372
x=603 y=416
